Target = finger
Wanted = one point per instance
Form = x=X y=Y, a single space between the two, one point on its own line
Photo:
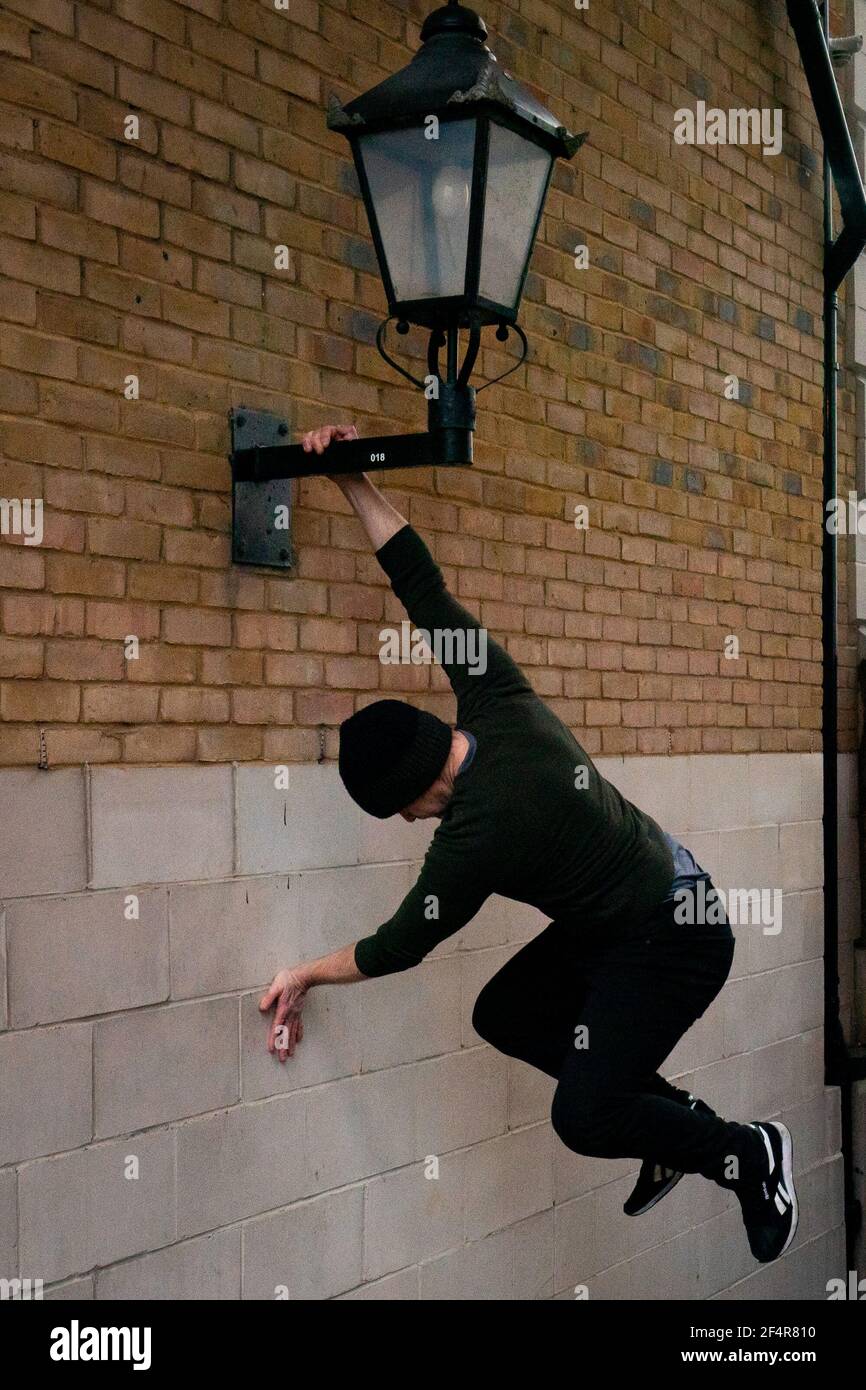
x=268 y=998
x=286 y=1023
x=292 y=1035
x=278 y=1020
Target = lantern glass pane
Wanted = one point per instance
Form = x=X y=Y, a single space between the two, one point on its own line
x=421 y=194
x=517 y=173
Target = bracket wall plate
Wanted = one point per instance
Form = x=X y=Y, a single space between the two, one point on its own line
x=261 y=506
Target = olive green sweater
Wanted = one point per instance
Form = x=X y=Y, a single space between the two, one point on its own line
x=531 y=818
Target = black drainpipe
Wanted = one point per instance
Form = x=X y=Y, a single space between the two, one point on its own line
x=812 y=31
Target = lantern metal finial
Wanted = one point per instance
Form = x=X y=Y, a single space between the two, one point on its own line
x=454 y=18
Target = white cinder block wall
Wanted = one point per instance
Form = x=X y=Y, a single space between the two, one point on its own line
x=150 y=1147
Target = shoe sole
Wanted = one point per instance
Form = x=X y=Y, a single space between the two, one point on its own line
x=657 y=1198
x=788 y=1175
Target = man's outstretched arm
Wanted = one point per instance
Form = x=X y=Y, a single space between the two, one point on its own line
x=475 y=675
x=287 y=995
x=448 y=893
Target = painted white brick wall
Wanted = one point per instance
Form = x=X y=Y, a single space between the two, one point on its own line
x=138 y=1043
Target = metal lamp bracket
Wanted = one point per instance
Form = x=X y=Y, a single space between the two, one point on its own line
x=264 y=464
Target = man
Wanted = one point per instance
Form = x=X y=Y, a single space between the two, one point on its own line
x=602 y=995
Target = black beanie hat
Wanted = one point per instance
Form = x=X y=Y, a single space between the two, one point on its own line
x=390 y=753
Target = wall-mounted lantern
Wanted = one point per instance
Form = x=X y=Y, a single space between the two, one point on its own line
x=454 y=159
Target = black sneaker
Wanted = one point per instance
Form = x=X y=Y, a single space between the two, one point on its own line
x=654 y=1181
x=769 y=1202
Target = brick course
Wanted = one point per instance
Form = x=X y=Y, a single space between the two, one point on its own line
x=154 y=257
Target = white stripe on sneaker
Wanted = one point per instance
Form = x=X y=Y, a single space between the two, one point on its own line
x=771 y=1157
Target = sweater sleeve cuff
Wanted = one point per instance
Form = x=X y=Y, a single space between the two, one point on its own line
x=404 y=547
x=365 y=957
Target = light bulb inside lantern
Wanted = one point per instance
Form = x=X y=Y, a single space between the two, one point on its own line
x=450 y=192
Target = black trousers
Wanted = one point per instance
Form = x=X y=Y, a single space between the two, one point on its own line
x=601 y=1017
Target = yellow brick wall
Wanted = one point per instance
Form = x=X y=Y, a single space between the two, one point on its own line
x=155 y=257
